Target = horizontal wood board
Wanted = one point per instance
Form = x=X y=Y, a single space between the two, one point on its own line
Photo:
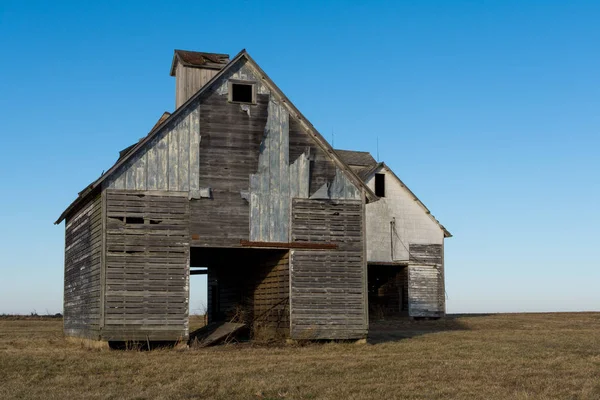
x=426 y=295
x=328 y=286
x=147 y=265
x=83 y=252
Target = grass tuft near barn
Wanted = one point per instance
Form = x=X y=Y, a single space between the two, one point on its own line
x=517 y=356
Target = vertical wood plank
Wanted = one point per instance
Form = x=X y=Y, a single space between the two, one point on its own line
x=152 y=166
x=283 y=216
x=173 y=158
x=183 y=140
x=195 y=150
x=162 y=154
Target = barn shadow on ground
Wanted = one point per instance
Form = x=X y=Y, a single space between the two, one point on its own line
x=397 y=329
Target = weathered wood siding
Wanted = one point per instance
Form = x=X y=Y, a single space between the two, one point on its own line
x=425 y=291
x=328 y=287
x=83 y=253
x=327 y=181
x=255 y=159
x=189 y=80
x=432 y=254
x=170 y=161
x=147 y=265
x=229 y=148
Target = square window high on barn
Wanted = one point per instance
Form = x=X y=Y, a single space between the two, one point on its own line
x=243 y=92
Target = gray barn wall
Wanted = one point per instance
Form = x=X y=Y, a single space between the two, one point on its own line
x=328 y=287
x=237 y=169
x=255 y=159
x=426 y=291
x=83 y=253
x=169 y=162
x=189 y=80
x=147 y=265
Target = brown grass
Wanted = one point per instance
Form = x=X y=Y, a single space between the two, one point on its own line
x=519 y=356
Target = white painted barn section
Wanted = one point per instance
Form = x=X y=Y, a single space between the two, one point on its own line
x=397 y=220
x=405 y=243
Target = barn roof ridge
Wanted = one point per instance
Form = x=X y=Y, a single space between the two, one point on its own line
x=175 y=114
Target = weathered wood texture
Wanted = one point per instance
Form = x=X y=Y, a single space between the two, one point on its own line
x=388 y=291
x=276 y=181
x=83 y=252
x=229 y=148
x=170 y=161
x=189 y=80
x=426 y=253
x=425 y=291
x=250 y=285
x=271 y=295
x=328 y=286
x=326 y=180
x=147 y=265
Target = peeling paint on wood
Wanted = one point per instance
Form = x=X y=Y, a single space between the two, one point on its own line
x=170 y=162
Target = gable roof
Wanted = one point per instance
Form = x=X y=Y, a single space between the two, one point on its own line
x=368 y=167
x=356 y=158
x=320 y=140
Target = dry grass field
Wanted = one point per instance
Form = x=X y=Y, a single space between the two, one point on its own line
x=504 y=356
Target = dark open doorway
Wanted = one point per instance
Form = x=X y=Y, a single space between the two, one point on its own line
x=388 y=291
x=246 y=285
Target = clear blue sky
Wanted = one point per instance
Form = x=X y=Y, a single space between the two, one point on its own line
x=489 y=111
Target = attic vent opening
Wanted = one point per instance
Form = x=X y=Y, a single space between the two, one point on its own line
x=380 y=185
x=242 y=92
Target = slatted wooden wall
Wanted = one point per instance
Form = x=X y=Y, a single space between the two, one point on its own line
x=328 y=287
x=425 y=291
x=427 y=297
x=83 y=252
x=431 y=254
x=147 y=265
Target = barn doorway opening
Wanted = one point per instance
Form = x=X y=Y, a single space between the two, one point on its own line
x=388 y=291
x=246 y=285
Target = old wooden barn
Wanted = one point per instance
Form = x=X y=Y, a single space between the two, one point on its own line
x=238 y=185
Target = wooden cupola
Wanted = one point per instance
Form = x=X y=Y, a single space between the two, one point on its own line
x=192 y=70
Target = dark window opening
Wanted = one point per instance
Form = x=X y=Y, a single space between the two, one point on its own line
x=154 y=222
x=241 y=93
x=380 y=185
x=134 y=220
